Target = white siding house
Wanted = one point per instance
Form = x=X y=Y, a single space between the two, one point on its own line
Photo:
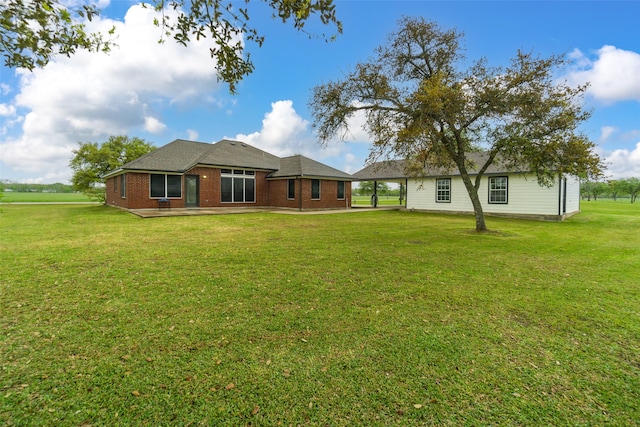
x=502 y=193
x=514 y=194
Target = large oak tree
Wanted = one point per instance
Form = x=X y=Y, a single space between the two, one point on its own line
x=33 y=31
x=92 y=160
x=426 y=104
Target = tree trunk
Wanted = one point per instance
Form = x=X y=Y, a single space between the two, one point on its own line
x=475 y=201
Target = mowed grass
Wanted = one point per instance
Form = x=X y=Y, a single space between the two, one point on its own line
x=382 y=201
x=19 y=197
x=368 y=318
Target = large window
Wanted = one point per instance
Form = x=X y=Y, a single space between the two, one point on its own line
x=443 y=190
x=238 y=186
x=315 y=189
x=291 y=189
x=341 y=190
x=498 y=189
x=165 y=186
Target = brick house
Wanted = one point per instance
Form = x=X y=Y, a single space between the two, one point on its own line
x=188 y=174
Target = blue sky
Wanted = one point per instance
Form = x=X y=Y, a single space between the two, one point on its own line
x=164 y=92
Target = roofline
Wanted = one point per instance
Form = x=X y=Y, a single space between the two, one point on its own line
x=386 y=178
x=325 y=177
x=443 y=175
x=207 y=165
x=120 y=171
x=114 y=172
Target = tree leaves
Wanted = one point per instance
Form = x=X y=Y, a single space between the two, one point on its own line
x=32 y=32
x=227 y=26
x=92 y=160
x=423 y=107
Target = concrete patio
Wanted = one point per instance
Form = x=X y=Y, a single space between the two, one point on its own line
x=167 y=212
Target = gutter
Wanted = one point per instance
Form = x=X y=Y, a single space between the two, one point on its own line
x=560 y=195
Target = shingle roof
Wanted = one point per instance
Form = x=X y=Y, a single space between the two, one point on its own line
x=239 y=154
x=303 y=166
x=181 y=155
x=380 y=171
x=396 y=169
x=177 y=156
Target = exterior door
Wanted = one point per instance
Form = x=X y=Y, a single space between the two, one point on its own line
x=192 y=191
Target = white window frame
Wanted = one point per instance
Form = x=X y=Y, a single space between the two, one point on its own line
x=166 y=187
x=235 y=174
x=319 y=189
x=291 y=181
x=344 y=190
x=443 y=195
x=498 y=185
x=123 y=185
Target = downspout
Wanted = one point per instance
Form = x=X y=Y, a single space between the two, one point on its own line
x=559 y=196
x=300 y=194
x=406 y=193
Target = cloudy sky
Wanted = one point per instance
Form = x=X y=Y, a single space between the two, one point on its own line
x=163 y=92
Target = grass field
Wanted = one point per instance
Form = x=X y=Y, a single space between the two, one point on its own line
x=17 y=197
x=382 y=200
x=370 y=318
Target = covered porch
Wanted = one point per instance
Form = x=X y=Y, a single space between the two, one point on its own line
x=385 y=172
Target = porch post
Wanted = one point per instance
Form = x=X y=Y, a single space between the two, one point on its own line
x=375 y=194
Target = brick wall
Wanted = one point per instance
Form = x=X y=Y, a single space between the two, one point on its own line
x=209 y=181
x=272 y=193
x=137 y=194
x=328 y=195
x=278 y=192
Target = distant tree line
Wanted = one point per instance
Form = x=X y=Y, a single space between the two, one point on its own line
x=35 y=188
x=612 y=189
x=365 y=188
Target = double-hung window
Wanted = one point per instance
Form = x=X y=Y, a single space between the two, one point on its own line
x=165 y=186
x=498 y=189
x=341 y=190
x=238 y=186
x=443 y=190
x=315 y=189
x=291 y=189
x=123 y=185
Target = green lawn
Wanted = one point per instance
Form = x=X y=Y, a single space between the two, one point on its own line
x=17 y=197
x=382 y=201
x=367 y=318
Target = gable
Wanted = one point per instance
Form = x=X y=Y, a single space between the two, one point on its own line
x=240 y=155
x=176 y=156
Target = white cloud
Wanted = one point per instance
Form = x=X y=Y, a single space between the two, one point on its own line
x=357 y=122
x=7 y=110
x=606 y=132
x=90 y=96
x=613 y=76
x=284 y=133
x=623 y=163
x=192 y=135
x=153 y=125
